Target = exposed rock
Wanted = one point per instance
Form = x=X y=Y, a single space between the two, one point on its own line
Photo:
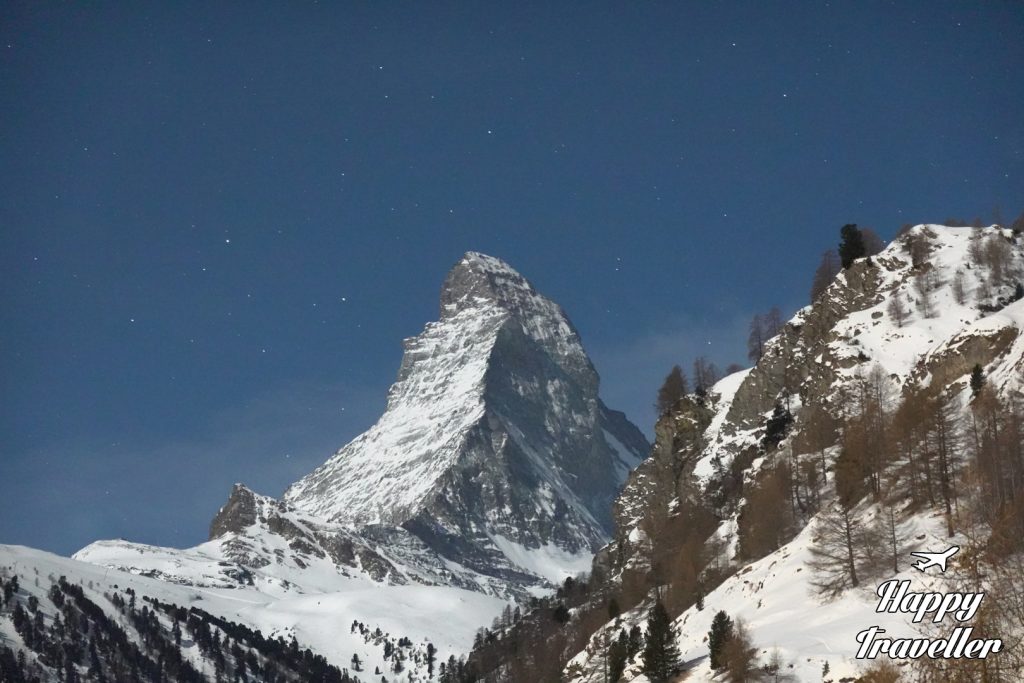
x=237 y=513
x=493 y=434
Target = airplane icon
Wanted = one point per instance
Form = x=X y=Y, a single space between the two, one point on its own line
x=935 y=559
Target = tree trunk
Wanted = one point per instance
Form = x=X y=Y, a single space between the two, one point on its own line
x=851 y=564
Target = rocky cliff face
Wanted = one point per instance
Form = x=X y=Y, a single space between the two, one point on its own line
x=495 y=443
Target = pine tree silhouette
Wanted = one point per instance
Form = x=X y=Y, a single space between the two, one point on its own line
x=661 y=653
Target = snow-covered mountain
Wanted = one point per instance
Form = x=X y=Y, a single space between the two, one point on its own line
x=919 y=316
x=495 y=449
x=489 y=478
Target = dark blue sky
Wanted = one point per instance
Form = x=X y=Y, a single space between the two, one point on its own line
x=219 y=222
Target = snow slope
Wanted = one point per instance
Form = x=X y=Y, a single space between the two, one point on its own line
x=785 y=614
x=956 y=312
x=382 y=475
x=319 y=619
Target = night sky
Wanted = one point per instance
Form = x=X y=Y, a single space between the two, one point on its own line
x=219 y=220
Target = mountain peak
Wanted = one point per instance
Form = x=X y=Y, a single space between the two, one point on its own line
x=493 y=435
x=481 y=284
x=478 y=277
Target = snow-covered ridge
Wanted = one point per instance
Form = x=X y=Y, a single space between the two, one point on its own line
x=383 y=474
x=319 y=618
x=946 y=326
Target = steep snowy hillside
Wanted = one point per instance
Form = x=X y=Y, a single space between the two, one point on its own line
x=916 y=319
x=489 y=478
x=786 y=617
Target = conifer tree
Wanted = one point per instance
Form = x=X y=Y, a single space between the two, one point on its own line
x=431 y=659
x=977 y=379
x=636 y=641
x=661 y=653
x=618 y=655
x=613 y=608
x=776 y=427
x=720 y=634
x=561 y=614
x=739 y=656
x=851 y=244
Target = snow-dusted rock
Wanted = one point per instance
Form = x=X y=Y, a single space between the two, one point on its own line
x=493 y=429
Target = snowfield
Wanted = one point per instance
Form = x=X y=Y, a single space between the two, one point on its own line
x=321 y=620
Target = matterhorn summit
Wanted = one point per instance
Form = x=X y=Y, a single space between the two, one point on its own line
x=495 y=449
